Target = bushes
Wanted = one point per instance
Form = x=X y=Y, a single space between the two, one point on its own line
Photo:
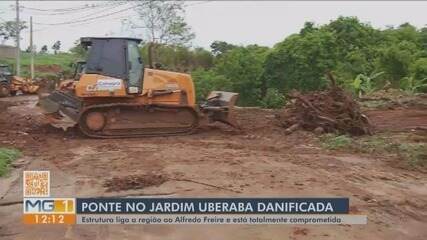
x=206 y=81
x=273 y=99
x=419 y=68
x=349 y=49
x=237 y=70
x=412 y=85
x=362 y=58
x=300 y=62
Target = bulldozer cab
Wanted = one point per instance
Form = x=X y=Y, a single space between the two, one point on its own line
x=116 y=58
x=4 y=69
x=79 y=69
x=5 y=74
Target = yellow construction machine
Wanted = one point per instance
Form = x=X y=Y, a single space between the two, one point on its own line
x=116 y=96
x=10 y=85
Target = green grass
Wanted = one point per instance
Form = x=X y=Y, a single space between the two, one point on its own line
x=334 y=142
x=62 y=59
x=7 y=155
x=414 y=154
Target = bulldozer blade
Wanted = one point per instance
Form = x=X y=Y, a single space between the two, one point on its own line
x=60 y=120
x=48 y=105
x=60 y=109
x=219 y=107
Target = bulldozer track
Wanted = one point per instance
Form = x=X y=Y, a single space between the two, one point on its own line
x=120 y=111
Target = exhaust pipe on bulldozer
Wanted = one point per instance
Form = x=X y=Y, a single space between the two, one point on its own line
x=219 y=107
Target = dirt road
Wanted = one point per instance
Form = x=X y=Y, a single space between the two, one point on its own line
x=217 y=161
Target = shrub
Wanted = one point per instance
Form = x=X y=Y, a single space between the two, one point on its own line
x=7 y=155
x=273 y=99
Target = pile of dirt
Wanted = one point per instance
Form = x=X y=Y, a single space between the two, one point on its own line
x=331 y=111
x=133 y=182
x=52 y=68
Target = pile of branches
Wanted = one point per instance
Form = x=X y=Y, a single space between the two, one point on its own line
x=329 y=111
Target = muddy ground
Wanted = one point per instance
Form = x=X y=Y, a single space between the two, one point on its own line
x=216 y=161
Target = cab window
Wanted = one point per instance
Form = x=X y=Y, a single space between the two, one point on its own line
x=135 y=65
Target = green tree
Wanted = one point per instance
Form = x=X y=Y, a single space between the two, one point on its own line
x=56 y=46
x=206 y=81
x=419 y=68
x=243 y=66
x=356 y=46
x=43 y=49
x=202 y=58
x=180 y=58
x=405 y=32
x=300 y=61
x=78 y=49
x=347 y=47
x=308 y=28
x=396 y=59
x=9 y=30
x=163 y=22
x=220 y=47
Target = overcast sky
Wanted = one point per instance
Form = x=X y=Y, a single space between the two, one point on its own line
x=237 y=22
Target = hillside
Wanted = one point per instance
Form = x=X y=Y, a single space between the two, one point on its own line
x=45 y=64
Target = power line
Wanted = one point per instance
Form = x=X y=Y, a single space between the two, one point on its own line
x=80 y=22
x=77 y=10
x=36 y=30
x=87 y=19
x=97 y=20
x=105 y=8
x=65 y=9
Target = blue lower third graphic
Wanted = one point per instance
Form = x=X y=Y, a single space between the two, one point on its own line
x=212 y=205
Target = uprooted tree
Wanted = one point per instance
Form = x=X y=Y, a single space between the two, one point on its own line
x=332 y=110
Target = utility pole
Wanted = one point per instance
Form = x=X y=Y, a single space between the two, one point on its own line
x=18 y=39
x=31 y=48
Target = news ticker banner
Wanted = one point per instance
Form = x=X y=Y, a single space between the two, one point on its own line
x=40 y=208
x=189 y=211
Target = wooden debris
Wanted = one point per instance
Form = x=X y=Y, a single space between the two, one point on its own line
x=331 y=111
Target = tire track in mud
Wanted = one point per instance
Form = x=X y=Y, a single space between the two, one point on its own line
x=377 y=185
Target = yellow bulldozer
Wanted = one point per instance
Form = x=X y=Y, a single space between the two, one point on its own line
x=10 y=85
x=116 y=96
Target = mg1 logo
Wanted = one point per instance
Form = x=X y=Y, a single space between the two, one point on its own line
x=49 y=205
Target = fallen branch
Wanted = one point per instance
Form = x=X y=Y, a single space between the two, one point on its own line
x=292 y=128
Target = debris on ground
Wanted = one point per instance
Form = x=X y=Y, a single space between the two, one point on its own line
x=133 y=182
x=25 y=85
x=329 y=111
x=50 y=68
